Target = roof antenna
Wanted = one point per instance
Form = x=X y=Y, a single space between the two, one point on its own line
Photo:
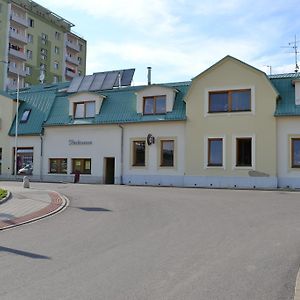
x=294 y=45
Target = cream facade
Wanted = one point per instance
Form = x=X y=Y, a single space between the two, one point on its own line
x=251 y=129
x=7 y=113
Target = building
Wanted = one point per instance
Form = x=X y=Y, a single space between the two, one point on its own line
x=7 y=114
x=38 y=45
x=288 y=129
x=231 y=126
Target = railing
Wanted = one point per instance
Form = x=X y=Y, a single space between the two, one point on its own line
x=20 y=20
x=73 y=46
x=16 y=70
x=18 y=36
x=17 y=54
x=72 y=60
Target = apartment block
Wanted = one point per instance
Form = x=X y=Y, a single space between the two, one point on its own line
x=38 y=45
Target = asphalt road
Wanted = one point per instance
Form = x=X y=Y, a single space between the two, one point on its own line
x=120 y=242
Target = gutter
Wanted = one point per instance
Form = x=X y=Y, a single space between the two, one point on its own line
x=122 y=154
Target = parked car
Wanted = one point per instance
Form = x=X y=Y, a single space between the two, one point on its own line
x=27 y=170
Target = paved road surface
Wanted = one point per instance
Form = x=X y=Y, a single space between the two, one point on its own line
x=120 y=242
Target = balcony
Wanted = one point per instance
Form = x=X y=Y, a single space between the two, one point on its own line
x=73 y=45
x=70 y=74
x=72 y=60
x=17 y=70
x=19 y=20
x=17 y=54
x=18 y=37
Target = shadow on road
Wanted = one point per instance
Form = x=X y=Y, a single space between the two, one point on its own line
x=94 y=209
x=23 y=253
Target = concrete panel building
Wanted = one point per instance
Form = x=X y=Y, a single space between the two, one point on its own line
x=38 y=45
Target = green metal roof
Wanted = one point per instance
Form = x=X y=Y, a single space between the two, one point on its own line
x=49 y=106
x=39 y=100
x=284 y=84
x=119 y=106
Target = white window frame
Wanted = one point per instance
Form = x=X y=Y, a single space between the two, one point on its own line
x=253 y=154
x=206 y=138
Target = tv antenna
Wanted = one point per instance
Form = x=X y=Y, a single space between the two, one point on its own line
x=294 y=45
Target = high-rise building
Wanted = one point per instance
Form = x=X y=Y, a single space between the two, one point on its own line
x=38 y=45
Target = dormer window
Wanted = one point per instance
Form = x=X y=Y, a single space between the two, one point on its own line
x=84 y=110
x=154 y=105
x=25 y=116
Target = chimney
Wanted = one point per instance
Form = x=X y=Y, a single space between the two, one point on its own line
x=149 y=75
x=296 y=82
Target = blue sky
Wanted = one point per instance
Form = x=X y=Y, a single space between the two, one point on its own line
x=181 y=38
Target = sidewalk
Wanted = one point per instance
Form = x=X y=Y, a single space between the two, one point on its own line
x=28 y=205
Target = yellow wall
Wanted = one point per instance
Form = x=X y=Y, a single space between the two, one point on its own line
x=6 y=116
x=230 y=73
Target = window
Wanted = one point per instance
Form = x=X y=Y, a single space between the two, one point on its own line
x=25 y=159
x=55 y=79
x=58 y=165
x=81 y=165
x=56 y=65
x=44 y=38
x=80 y=47
x=56 y=50
x=25 y=116
x=44 y=51
x=29 y=54
x=84 y=110
x=79 y=60
x=28 y=70
x=167 y=153
x=215 y=152
x=30 y=38
x=30 y=22
x=139 y=153
x=57 y=35
x=295 y=152
x=230 y=101
x=244 y=152
x=154 y=105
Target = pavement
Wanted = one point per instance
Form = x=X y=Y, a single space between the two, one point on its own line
x=25 y=205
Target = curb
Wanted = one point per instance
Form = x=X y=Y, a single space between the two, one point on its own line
x=5 y=198
x=297 y=287
x=40 y=214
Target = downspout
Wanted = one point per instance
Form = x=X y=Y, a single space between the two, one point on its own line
x=41 y=157
x=122 y=154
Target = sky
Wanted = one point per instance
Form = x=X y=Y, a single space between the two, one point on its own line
x=181 y=38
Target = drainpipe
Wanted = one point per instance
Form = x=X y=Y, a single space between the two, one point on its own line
x=41 y=157
x=122 y=154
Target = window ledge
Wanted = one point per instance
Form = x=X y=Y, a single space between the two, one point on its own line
x=229 y=114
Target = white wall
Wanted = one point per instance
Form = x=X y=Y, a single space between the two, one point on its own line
x=287 y=127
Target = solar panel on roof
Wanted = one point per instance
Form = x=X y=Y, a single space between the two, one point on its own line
x=86 y=83
x=98 y=81
x=110 y=80
x=127 y=77
x=101 y=81
x=75 y=83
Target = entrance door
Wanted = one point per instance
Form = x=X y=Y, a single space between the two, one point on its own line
x=109 y=170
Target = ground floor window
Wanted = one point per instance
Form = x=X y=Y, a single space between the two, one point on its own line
x=139 y=153
x=81 y=165
x=244 y=152
x=25 y=160
x=58 y=165
x=295 y=152
x=167 y=153
x=215 y=152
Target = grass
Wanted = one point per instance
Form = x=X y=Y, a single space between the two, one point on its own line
x=3 y=194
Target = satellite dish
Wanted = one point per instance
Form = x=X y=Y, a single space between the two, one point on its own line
x=150 y=139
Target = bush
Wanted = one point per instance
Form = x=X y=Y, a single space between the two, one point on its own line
x=3 y=193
